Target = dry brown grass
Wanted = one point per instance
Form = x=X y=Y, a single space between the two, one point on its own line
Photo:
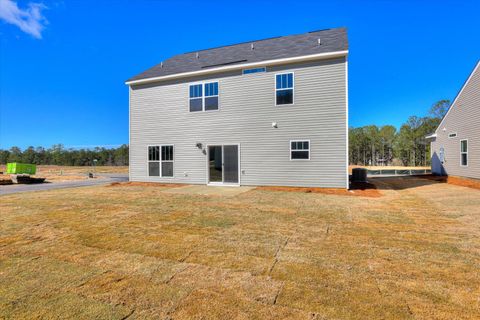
x=135 y=250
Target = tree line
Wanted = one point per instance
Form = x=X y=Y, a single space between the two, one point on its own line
x=385 y=145
x=59 y=155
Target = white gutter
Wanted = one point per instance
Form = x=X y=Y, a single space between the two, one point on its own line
x=326 y=55
x=433 y=135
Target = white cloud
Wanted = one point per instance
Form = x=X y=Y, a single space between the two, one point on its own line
x=29 y=20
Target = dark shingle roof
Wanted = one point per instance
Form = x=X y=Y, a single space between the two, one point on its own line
x=274 y=48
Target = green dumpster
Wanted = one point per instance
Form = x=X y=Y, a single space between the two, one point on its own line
x=21 y=168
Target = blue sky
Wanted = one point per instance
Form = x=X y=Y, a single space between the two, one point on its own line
x=63 y=63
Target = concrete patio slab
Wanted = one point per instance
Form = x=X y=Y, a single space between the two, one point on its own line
x=209 y=190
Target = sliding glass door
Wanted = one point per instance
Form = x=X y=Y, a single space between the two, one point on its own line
x=223 y=164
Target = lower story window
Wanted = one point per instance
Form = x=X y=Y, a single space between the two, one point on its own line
x=160 y=161
x=167 y=161
x=154 y=161
x=300 y=150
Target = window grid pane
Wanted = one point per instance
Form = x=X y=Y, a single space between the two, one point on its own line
x=167 y=169
x=211 y=89
x=196 y=104
x=254 y=70
x=153 y=153
x=167 y=153
x=284 y=96
x=284 y=81
x=300 y=150
x=154 y=168
x=196 y=91
x=211 y=103
x=300 y=155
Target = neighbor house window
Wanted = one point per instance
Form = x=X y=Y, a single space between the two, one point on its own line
x=464 y=152
x=203 y=97
x=300 y=150
x=452 y=135
x=167 y=161
x=284 y=88
x=154 y=161
x=254 y=70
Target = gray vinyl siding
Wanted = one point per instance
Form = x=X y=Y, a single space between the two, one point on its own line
x=159 y=114
x=464 y=119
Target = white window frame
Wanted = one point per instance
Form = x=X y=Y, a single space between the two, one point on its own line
x=203 y=83
x=252 y=73
x=160 y=160
x=227 y=184
x=309 y=149
x=452 y=135
x=172 y=161
x=293 y=89
x=159 y=157
x=463 y=152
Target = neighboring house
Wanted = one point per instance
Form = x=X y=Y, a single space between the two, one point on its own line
x=267 y=112
x=455 y=145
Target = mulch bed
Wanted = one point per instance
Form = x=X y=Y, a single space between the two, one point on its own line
x=357 y=189
x=145 y=184
x=458 y=181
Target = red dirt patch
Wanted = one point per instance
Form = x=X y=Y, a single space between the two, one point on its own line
x=357 y=189
x=458 y=181
x=145 y=184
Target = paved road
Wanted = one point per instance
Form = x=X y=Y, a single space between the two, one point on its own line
x=106 y=178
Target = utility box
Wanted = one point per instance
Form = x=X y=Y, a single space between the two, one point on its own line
x=21 y=168
x=359 y=175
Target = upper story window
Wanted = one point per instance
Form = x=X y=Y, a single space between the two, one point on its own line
x=300 y=150
x=452 y=134
x=196 y=97
x=254 y=70
x=204 y=97
x=284 y=88
x=464 y=152
x=211 y=96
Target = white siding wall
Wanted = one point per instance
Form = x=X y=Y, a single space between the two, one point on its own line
x=464 y=119
x=159 y=115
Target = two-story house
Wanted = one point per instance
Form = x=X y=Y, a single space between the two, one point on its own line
x=266 y=112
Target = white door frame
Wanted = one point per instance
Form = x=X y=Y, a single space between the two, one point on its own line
x=223 y=171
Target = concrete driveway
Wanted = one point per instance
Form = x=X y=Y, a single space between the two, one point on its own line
x=105 y=179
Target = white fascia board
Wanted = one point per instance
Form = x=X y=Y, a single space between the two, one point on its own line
x=326 y=55
x=458 y=95
x=431 y=136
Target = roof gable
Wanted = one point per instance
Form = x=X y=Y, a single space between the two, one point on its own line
x=454 y=103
